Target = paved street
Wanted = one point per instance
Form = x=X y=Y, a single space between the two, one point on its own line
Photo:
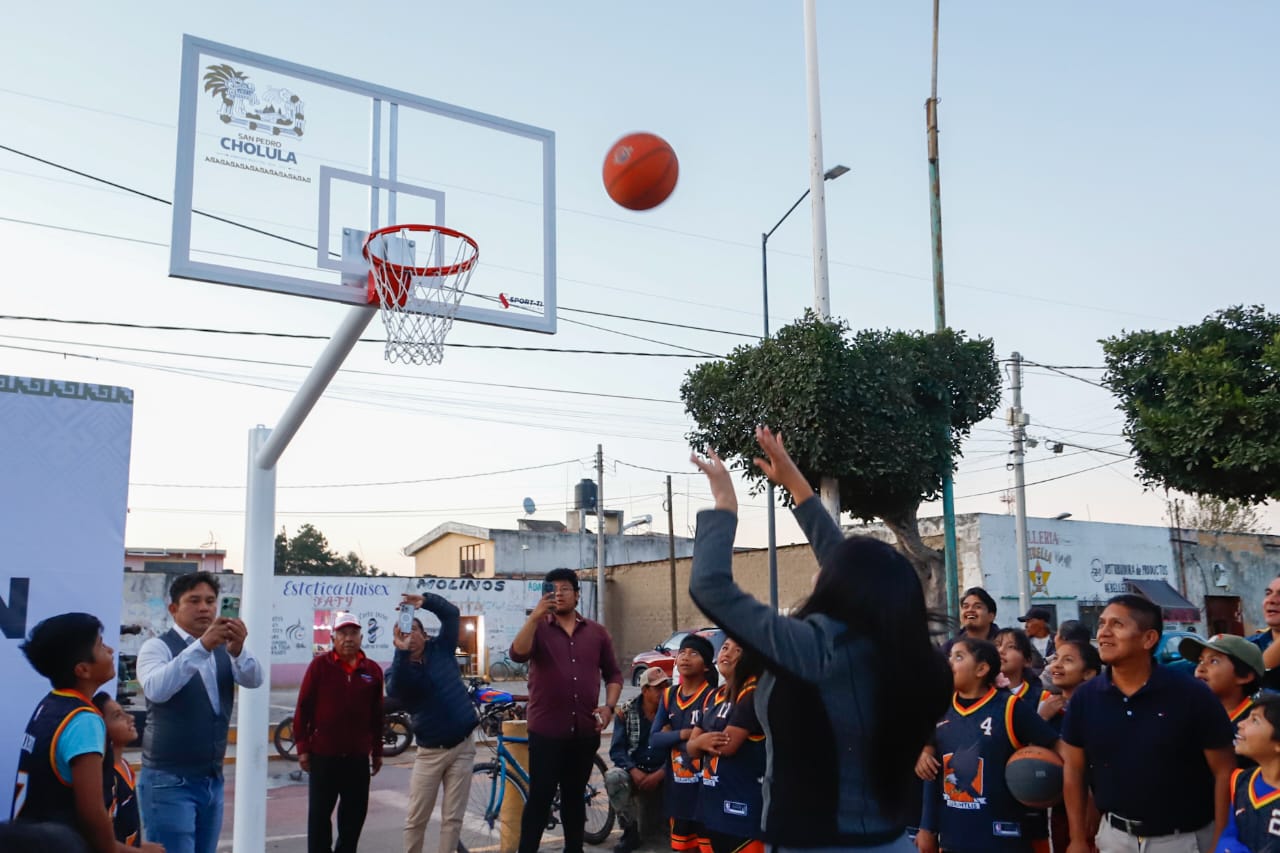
x=388 y=801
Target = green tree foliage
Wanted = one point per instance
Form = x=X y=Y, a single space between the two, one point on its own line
x=1202 y=404
x=308 y=553
x=883 y=412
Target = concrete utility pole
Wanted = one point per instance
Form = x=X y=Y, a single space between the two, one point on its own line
x=600 y=534
x=940 y=320
x=1018 y=421
x=671 y=554
x=829 y=487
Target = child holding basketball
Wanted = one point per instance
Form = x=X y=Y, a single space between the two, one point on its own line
x=1253 y=824
x=968 y=808
x=1075 y=662
x=121 y=731
x=677 y=719
x=729 y=742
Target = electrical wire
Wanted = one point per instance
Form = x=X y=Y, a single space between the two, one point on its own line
x=1046 y=480
x=420 y=481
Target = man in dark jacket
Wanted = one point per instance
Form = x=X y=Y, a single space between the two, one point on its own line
x=977 y=618
x=337 y=727
x=424 y=676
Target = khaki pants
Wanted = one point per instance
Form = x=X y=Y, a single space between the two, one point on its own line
x=452 y=767
x=1112 y=840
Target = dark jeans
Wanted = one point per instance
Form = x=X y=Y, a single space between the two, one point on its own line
x=564 y=763
x=341 y=780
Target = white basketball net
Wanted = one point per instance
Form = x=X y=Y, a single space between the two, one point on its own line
x=419 y=288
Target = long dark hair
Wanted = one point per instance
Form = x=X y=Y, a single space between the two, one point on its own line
x=750 y=664
x=875 y=592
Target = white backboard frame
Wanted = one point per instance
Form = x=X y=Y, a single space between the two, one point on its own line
x=183 y=265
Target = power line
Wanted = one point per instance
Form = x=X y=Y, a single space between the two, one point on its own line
x=1046 y=480
x=380 y=373
x=306 y=337
x=447 y=478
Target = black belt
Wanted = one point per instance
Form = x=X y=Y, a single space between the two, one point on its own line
x=1142 y=828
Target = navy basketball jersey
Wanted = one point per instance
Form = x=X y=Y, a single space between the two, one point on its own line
x=732 y=799
x=1256 y=811
x=40 y=792
x=124 y=807
x=975 y=741
x=1029 y=691
x=683 y=779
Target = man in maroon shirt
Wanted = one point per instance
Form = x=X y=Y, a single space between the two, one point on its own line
x=337 y=727
x=568 y=658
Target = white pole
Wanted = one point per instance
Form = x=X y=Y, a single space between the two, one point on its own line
x=265 y=447
x=829 y=487
x=600 y=534
x=1019 y=422
x=252 y=718
x=817 y=191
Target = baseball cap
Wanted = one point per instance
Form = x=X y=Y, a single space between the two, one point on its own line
x=1234 y=647
x=1037 y=613
x=342 y=620
x=654 y=676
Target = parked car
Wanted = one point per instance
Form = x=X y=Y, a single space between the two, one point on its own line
x=663 y=656
x=1167 y=651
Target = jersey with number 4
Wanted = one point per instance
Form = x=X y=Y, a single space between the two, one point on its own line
x=975 y=813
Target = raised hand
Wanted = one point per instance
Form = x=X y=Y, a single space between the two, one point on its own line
x=399 y=638
x=718 y=479
x=778 y=466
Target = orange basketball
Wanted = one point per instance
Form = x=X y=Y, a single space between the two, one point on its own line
x=640 y=171
x=1034 y=777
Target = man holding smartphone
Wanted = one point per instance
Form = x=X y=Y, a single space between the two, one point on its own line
x=568 y=657
x=188 y=676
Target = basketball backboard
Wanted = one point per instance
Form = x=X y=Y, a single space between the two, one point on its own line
x=283 y=169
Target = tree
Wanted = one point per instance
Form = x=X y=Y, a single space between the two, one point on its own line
x=1202 y=404
x=308 y=553
x=1210 y=513
x=883 y=412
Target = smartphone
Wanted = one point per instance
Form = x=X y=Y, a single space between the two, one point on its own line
x=230 y=607
x=406 y=618
x=548 y=588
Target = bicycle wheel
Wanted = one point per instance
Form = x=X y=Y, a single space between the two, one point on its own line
x=396 y=735
x=499 y=671
x=483 y=823
x=283 y=739
x=599 y=810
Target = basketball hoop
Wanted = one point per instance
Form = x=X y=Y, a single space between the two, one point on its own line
x=418 y=302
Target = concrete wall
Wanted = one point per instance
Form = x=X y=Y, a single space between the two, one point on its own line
x=442 y=557
x=638 y=595
x=1216 y=563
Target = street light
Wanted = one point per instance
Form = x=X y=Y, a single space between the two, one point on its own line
x=829 y=175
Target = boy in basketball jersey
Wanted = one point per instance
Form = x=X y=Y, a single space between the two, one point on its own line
x=121 y=731
x=60 y=767
x=968 y=807
x=1253 y=824
x=678 y=716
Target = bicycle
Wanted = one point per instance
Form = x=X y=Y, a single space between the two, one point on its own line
x=397 y=734
x=489 y=782
x=508 y=670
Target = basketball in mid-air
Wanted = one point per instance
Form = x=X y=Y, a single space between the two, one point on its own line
x=640 y=171
x=1034 y=777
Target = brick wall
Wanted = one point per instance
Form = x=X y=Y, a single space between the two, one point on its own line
x=639 y=595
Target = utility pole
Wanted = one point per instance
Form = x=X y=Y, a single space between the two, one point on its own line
x=940 y=322
x=1018 y=421
x=600 y=534
x=828 y=487
x=671 y=554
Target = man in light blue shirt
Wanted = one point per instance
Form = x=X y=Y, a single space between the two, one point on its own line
x=188 y=676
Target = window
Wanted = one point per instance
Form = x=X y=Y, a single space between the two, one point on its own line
x=471 y=560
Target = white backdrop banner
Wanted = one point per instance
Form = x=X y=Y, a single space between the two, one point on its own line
x=64 y=495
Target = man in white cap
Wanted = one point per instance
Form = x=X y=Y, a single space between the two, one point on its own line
x=337 y=727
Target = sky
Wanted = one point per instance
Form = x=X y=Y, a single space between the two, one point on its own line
x=1105 y=167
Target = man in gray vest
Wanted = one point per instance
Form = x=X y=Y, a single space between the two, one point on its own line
x=188 y=676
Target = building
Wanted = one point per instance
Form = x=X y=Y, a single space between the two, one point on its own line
x=534 y=547
x=176 y=561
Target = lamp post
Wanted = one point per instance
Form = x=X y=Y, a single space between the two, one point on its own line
x=829 y=175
